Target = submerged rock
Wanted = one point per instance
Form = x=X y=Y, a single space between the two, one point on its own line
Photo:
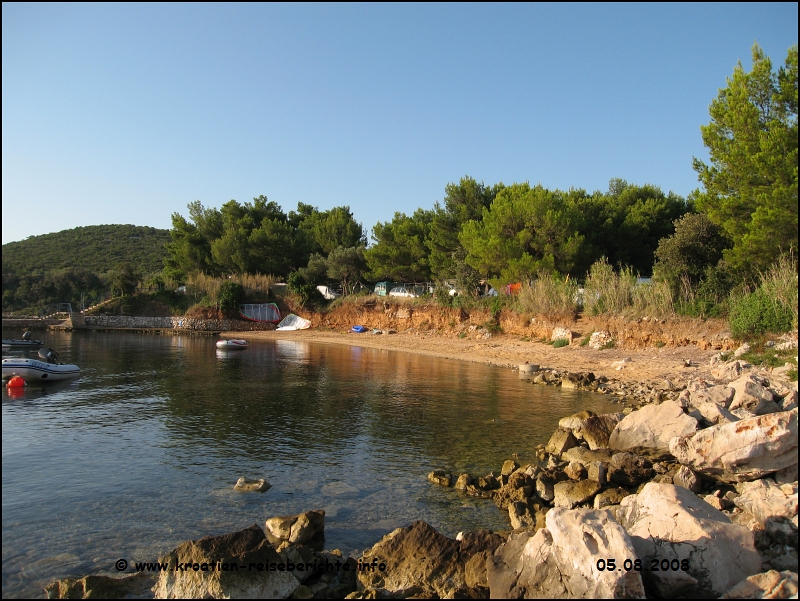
x=247 y=485
x=441 y=477
x=463 y=481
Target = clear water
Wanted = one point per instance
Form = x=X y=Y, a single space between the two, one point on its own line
x=142 y=451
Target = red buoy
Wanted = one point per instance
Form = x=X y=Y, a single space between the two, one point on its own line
x=16 y=382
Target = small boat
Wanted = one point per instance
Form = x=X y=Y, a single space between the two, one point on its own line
x=233 y=343
x=45 y=369
x=23 y=344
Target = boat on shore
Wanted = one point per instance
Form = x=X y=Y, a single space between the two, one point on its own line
x=233 y=343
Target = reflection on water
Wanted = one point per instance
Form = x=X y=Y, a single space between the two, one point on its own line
x=141 y=453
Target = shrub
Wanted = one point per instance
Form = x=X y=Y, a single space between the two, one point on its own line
x=756 y=313
x=559 y=342
x=229 y=296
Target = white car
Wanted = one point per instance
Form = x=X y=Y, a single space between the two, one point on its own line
x=402 y=291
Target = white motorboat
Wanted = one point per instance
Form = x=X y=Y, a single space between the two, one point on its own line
x=36 y=370
x=233 y=343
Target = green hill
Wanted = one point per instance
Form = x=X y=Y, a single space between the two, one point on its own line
x=95 y=248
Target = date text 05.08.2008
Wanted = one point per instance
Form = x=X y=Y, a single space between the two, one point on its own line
x=635 y=565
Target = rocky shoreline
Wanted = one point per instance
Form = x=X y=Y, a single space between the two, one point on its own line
x=689 y=491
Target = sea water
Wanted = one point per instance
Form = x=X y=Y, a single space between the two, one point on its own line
x=142 y=451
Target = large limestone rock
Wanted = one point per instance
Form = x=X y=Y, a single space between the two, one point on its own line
x=560 y=561
x=730 y=371
x=652 y=427
x=769 y=585
x=713 y=414
x=700 y=391
x=669 y=522
x=745 y=450
x=301 y=528
x=248 y=546
x=764 y=499
x=418 y=558
x=594 y=429
x=753 y=395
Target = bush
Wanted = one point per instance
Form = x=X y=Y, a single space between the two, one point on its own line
x=229 y=296
x=559 y=342
x=307 y=294
x=757 y=313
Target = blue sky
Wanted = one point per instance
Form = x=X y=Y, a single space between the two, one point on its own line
x=126 y=113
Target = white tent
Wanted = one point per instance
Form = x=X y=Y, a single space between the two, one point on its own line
x=294 y=322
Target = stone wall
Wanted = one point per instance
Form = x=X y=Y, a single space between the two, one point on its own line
x=30 y=323
x=175 y=323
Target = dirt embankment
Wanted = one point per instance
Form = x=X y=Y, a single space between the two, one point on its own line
x=429 y=319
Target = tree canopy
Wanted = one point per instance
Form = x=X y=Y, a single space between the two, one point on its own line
x=256 y=237
x=399 y=252
x=750 y=185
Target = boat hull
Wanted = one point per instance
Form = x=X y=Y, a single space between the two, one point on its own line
x=22 y=344
x=232 y=344
x=32 y=370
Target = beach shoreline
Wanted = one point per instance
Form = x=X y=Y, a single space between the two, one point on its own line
x=646 y=365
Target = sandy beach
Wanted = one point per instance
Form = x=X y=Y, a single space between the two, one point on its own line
x=647 y=365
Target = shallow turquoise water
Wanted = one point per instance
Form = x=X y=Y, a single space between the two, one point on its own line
x=142 y=451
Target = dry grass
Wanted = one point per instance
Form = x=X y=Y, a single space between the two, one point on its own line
x=780 y=283
x=608 y=292
x=255 y=285
x=548 y=295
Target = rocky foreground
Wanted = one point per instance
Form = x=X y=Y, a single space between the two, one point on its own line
x=691 y=496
